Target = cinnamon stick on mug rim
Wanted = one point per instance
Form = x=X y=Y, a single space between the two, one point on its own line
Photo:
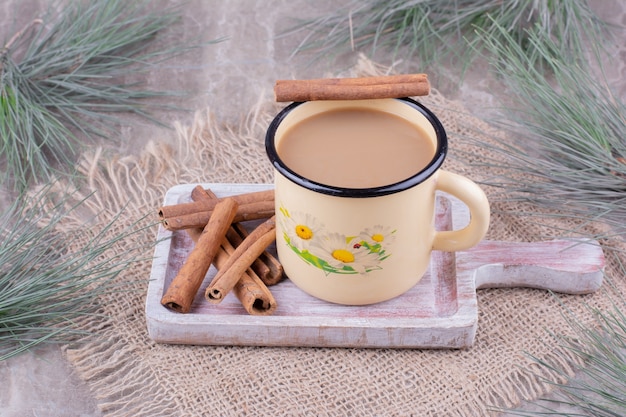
x=185 y=285
x=359 y=88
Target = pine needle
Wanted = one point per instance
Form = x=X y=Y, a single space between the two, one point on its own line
x=567 y=133
x=429 y=31
x=598 y=387
x=65 y=73
x=51 y=278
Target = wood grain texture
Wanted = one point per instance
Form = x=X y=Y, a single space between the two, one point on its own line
x=441 y=311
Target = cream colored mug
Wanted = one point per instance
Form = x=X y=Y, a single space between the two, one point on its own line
x=365 y=245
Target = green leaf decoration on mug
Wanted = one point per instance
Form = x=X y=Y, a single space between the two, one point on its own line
x=332 y=252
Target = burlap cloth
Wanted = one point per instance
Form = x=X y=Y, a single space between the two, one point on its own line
x=130 y=375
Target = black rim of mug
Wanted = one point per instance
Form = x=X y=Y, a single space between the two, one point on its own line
x=418 y=178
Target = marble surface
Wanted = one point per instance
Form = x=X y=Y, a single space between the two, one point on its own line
x=227 y=77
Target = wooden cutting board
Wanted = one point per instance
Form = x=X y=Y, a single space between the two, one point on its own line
x=441 y=311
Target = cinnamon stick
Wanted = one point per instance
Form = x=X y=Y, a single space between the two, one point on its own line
x=243 y=257
x=360 y=88
x=266 y=266
x=252 y=206
x=194 y=233
x=199 y=193
x=175 y=210
x=270 y=270
x=235 y=239
x=251 y=211
x=250 y=289
x=254 y=296
x=182 y=290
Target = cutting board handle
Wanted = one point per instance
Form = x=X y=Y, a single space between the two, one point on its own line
x=564 y=266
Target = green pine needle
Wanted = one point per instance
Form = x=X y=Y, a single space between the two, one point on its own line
x=64 y=74
x=47 y=282
x=568 y=133
x=598 y=387
x=428 y=31
x=564 y=153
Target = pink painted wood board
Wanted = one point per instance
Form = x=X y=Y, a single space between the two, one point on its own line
x=439 y=312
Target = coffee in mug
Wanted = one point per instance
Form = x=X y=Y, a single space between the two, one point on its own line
x=355 y=185
x=356 y=148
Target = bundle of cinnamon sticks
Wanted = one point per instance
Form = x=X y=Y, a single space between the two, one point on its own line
x=243 y=262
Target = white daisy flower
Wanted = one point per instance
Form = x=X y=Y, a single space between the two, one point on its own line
x=301 y=228
x=378 y=236
x=338 y=251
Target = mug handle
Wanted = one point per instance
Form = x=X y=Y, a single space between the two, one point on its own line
x=473 y=196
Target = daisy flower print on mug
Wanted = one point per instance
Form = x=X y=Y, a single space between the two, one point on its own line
x=300 y=228
x=332 y=252
x=344 y=254
x=377 y=239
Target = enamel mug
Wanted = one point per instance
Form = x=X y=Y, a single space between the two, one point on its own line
x=359 y=246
